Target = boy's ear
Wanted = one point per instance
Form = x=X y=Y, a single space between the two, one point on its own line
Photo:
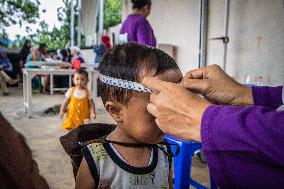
x=115 y=110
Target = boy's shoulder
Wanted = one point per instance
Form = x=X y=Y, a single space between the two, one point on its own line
x=96 y=151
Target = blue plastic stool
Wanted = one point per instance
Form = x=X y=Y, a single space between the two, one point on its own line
x=182 y=164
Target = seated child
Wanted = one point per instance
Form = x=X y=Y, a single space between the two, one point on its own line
x=80 y=101
x=112 y=164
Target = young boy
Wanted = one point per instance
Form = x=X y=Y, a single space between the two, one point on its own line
x=110 y=165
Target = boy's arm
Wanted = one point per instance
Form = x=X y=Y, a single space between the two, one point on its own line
x=84 y=179
x=267 y=96
x=64 y=106
x=171 y=180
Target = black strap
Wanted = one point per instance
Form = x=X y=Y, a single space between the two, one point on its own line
x=135 y=145
x=92 y=166
x=170 y=158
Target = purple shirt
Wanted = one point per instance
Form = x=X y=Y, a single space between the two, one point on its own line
x=244 y=146
x=138 y=30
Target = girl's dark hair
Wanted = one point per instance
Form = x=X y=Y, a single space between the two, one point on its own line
x=25 y=51
x=64 y=52
x=139 y=4
x=81 y=72
x=127 y=61
x=26 y=43
x=41 y=46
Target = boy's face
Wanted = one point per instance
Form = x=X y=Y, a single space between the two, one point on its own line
x=80 y=80
x=138 y=123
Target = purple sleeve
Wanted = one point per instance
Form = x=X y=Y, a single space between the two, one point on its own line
x=145 y=34
x=267 y=96
x=244 y=146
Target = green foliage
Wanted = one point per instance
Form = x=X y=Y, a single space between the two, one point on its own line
x=112 y=13
x=17 y=11
x=53 y=39
x=64 y=16
x=57 y=37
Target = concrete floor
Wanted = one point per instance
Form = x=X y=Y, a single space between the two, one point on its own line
x=43 y=131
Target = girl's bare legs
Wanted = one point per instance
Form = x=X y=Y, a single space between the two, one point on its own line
x=45 y=83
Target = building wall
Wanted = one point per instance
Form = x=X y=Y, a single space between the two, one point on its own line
x=256 y=31
x=175 y=22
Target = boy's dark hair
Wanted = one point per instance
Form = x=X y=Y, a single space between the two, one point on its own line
x=139 y=4
x=81 y=72
x=126 y=61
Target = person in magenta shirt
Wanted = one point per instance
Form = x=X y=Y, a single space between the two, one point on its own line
x=137 y=27
x=241 y=128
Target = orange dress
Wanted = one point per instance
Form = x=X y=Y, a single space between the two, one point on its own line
x=78 y=111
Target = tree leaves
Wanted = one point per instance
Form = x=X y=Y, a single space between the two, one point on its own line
x=20 y=11
x=17 y=11
x=112 y=13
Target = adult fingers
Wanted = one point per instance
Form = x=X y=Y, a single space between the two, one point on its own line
x=195 y=85
x=152 y=109
x=196 y=74
x=153 y=98
x=154 y=84
x=157 y=122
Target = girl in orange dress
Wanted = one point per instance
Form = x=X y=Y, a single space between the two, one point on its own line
x=81 y=105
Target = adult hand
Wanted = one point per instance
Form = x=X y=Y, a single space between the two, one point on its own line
x=178 y=112
x=217 y=87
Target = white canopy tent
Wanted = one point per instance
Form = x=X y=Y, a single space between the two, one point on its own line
x=90 y=21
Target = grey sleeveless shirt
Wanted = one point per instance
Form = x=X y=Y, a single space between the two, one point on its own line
x=106 y=166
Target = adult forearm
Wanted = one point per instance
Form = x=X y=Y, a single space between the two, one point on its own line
x=267 y=96
x=243 y=96
x=234 y=128
x=249 y=138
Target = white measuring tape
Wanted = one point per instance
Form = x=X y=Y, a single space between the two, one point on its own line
x=131 y=85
